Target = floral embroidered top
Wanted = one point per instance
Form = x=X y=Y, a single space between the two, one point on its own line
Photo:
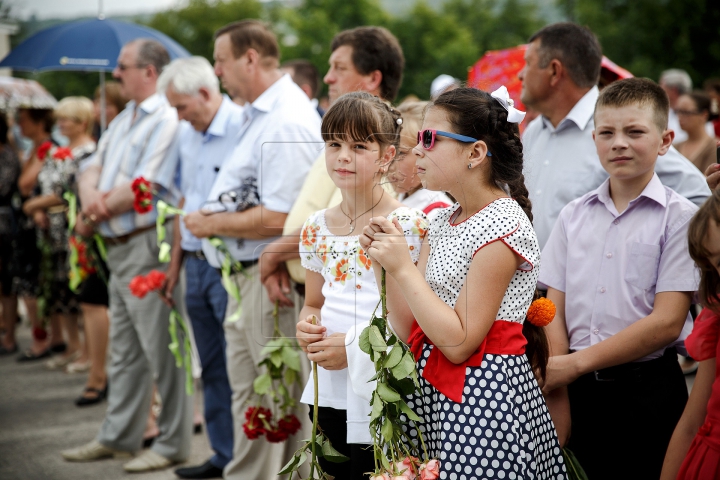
x=350 y=290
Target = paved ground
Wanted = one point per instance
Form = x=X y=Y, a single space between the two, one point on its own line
x=38 y=419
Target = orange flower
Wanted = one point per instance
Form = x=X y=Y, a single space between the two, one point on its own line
x=341 y=270
x=541 y=312
x=362 y=257
x=308 y=235
x=322 y=251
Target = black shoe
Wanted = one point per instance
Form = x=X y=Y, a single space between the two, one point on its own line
x=206 y=470
x=59 y=348
x=100 y=395
x=29 y=356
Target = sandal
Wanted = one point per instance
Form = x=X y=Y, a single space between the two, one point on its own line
x=100 y=395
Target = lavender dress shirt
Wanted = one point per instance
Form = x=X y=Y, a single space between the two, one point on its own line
x=611 y=265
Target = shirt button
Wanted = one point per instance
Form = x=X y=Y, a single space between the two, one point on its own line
x=602 y=289
x=616 y=222
x=596 y=331
x=609 y=255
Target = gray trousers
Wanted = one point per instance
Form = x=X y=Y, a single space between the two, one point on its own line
x=257 y=459
x=139 y=353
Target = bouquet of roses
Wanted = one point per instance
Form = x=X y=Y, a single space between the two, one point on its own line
x=140 y=286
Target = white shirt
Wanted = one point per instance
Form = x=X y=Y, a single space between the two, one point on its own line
x=277 y=144
x=200 y=155
x=429 y=202
x=561 y=164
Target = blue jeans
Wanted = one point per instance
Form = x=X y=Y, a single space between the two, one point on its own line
x=206 y=300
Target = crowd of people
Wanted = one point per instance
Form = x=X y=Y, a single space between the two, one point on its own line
x=606 y=204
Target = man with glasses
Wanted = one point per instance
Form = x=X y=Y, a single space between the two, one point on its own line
x=135 y=145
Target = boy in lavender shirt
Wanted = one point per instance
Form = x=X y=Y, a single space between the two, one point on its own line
x=618 y=269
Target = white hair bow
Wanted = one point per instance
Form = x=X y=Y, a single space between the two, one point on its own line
x=502 y=96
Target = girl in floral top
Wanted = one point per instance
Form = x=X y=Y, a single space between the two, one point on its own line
x=361 y=136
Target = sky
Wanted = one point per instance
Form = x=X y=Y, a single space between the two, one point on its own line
x=44 y=9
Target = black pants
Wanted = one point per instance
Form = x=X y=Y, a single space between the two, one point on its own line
x=621 y=427
x=333 y=423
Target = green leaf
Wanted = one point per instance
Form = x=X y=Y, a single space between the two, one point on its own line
x=276 y=358
x=291 y=358
x=332 y=455
x=262 y=384
x=377 y=340
x=364 y=340
x=290 y=376
x=387 y=393
x=387 y=431
x=377 y=406
x=272 y=345
x=164 y=255
x=394 y=358
x=405 y=367
x=290 y=466
x=408 y=411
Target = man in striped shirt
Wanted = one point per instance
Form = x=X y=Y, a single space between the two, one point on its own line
x=135 y=145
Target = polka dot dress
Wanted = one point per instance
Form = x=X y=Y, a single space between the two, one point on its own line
x=502 y=428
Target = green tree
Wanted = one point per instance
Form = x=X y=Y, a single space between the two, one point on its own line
x=433 y=43
x=648 y=36
x=194 y=25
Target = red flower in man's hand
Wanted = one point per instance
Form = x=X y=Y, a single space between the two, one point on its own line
x=139 y=286
x=143 y=202
x=289 y=424
x=43 y=149
x=62 y=153
x=140 y=185
x=155 y=279
x=276 y=435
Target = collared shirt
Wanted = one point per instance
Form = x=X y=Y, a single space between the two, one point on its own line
x=561 y=164
x=200 y=156
x=132 y=148
x=277 y=144
x=611 y=265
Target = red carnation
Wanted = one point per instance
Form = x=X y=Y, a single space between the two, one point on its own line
x=43 y=149
x=62 y=153
x=289 y=424
x=155 y=279
x=138 y=286
x=258 y=412
x=276 y=435
x=140 y=185
x=142 y=203
x=253 y=431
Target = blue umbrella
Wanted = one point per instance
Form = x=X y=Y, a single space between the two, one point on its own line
x=85 y=45
x=89 y=45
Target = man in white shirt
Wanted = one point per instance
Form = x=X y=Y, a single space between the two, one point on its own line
x=561 y=162
x=253 y=192
x=206 y=140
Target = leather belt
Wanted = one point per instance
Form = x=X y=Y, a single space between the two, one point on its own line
x=199 y=254
x=245 y=264
x=636 y=371
x=123 y=239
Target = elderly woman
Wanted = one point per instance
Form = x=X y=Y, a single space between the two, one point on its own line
x=56 y=175
x=694 y=110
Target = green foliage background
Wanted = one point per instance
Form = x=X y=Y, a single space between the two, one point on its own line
x=448 y=36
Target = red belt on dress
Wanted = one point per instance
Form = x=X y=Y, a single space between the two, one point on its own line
x=503 y=338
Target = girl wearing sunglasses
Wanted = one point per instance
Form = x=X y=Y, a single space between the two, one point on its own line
x=361 y=136
x=462 y=308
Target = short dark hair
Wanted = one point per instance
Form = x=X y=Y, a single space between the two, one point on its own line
x=45 y=116
x=254 y=34
x=637 y=91
x=375 y=48
x=152 y=52
x=304 y=73
x=703 y=103
x=575 y=46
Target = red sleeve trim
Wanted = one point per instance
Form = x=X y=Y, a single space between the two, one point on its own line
x=502 y=239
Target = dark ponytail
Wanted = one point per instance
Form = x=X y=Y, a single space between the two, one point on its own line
x=476 y=114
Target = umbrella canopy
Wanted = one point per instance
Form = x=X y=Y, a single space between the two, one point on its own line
x=501 y=67
x=18 y=93
x=91 y=45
